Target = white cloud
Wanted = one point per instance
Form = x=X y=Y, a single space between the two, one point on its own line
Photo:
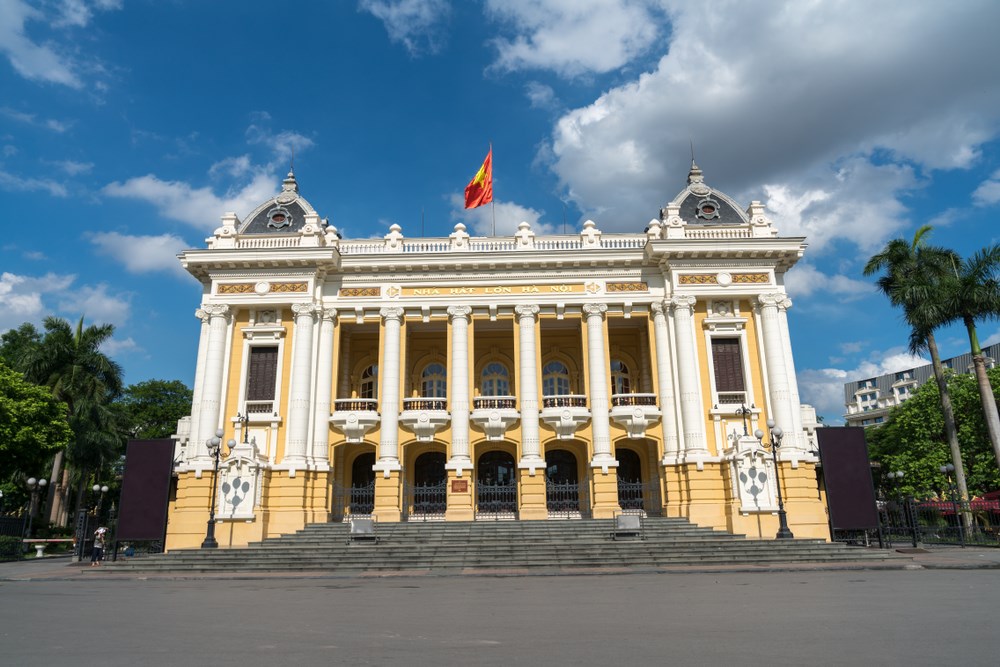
x=823 y=388
x=572 y=37
x=232 y=166
x=15 y=183
x=22 y=298
x=988 y=191
x=114 y=347
x=36 y=62
x=416 y=24
x=804 y=280
x=840 y=120
x=141 y=254
x=479 y=221
x=72 y=167
x=199 y=207
x=32 y=119
x=96 y=303
x=284 y=145
x=540 y=96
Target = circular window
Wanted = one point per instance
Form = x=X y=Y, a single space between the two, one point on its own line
x=278 y=218
x=708 y=209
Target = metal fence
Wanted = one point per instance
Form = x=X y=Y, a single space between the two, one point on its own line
x=496 y=501
x=12 y=527
x=906 y=522
x=638 y=497
x=426 y=502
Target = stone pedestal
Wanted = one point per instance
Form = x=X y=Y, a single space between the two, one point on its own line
x=532 y=490
x=605 y=493
x=387 y=504
x=461 y=499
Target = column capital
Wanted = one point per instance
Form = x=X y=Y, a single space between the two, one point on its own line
x=682 y=301
x=328 y=314
x=391 y=314
x=775 y=299
x=215 y=309
x=201 y=315
x=459 y=312
x=598 y=309
x=526 y=310
x=305 y=309
x=659 y=308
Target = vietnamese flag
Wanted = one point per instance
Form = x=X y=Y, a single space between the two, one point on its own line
x=479 y=191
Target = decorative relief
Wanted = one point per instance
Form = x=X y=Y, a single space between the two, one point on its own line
x=359 y=291
x=698 y=279
x=751 y=278
x=262 y=287
x=593 y=288
x=628 y=287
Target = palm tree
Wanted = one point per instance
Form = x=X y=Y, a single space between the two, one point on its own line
x=72 y=365
x=972 y=292
x=913 y=273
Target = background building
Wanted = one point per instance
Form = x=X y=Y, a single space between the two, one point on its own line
x=868 y=401
x=527 y=377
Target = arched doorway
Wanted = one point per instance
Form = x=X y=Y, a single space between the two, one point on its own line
x=562 y=483
x=429 y=492
x=630 y=484
x=362 y=496
x=496 y=486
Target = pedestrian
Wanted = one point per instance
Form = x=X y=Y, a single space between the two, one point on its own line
x=97 y=554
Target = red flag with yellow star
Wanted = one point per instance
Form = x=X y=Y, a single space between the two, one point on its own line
x=479 y=191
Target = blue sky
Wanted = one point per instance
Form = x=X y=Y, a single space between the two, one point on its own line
x=128 y=127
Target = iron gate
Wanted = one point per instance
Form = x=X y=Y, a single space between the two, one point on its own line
x=496 y=500
x=427 y=502
x=562 y=498
x=906 y=522
x=361 y=499
x=12 y=527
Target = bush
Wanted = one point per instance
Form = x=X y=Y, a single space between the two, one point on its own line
x=10 y=547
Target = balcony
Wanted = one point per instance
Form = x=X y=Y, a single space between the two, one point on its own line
x=354 y=417
x=565 y=413
x=636 y=412
x=424 y=416
x=494 y=414
x=261 y=411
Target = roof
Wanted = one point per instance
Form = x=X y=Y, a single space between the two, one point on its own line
x=701 y=204
x=282 y=214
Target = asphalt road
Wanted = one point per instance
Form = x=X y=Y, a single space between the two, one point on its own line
x=922 y=617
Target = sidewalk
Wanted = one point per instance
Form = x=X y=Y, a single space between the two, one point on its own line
x=935 y=558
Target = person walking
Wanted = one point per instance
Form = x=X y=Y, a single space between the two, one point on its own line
x=97 y=554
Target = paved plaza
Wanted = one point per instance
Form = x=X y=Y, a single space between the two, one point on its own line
x=819 y=617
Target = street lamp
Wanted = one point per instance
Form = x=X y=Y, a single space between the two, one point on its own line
x=946 y=470
x=36 y=486
x=776 y=434
x=744 y=412
x=214 y=448
x=97 y=488
x=895 y=478
x=244 y=422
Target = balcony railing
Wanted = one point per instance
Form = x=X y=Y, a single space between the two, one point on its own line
x=627 y=400
x=425 y=404
x=494 y=403
x=564 y=401
x=254 y=408
x=732 y=397
x=355 y=405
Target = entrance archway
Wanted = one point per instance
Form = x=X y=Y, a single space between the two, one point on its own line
x=496 y=486
x=362 y=494
x=562 y=483
x=429 y=492
x=630 y=484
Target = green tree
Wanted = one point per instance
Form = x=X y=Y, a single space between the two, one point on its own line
x=15 y=344
x=71 y=364
x=913 y=272
x=912 y=439
x=32 y=428
x=151 y=409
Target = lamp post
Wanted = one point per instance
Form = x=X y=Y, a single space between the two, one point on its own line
x=946 y=470
x=776 y=434
x=745 y=412
x=244 y=422
x=97 y=488
x=36 y=486
x=895 y=479
x=215 y=448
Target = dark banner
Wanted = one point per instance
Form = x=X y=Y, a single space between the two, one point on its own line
x=149 y=465
x=847 y=474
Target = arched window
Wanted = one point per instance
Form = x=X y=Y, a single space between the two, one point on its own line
x=496 y=380
x=434 y=381
x=620 y=383
x=555 y=379
x=369 y=383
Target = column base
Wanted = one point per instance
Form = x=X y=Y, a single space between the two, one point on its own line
x=605 y=492
x=387 y=502
x=461 y=505
x=532 y=495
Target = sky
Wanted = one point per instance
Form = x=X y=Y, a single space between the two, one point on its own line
x=128 y=127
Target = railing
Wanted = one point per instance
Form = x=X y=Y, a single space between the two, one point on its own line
x=632 y=399
x=718 y=233
x=562 y=498
x=427 y=502
x=269 y=241
x=496 y=500
x=636 y=496
x=425 y=404
x=911 y=523
x=494 y=403
x=564 y=401
x=259 y=407
x=361 y=499
x=355 y=405
x=732 y=397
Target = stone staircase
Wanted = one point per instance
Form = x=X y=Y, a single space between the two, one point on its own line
x=500 y=546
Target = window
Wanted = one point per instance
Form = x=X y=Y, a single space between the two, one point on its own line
x=728 y=360
x=904 y=375
x=262 y=375
x=555 y=379
x=434 y=381
x=495 y=380
x=368 y=387
x=620 y=383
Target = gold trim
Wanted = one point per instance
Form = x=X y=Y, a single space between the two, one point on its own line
x=699 y=279
x=250 y=288
x=236 y=288
x=628 y=287
x=360 y=291
x=751 y=278
x=289 y=287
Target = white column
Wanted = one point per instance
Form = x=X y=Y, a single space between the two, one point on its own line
x=459 y=372
x=777 y=371
x=297 y=441
x=796 y=439
x=388 y=446
x=324 y=385
x=196 y=446
x=665 y=380
x=599 y=410
x=527 y=372
x=692 y=416
x=215 y=363
x=343 y=368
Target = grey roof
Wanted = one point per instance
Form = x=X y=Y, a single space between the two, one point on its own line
x=282 y=214
x=701 y=204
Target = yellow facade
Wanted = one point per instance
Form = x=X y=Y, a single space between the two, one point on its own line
x=462 y=379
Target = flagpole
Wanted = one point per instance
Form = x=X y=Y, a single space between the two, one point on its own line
x=493 y=206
